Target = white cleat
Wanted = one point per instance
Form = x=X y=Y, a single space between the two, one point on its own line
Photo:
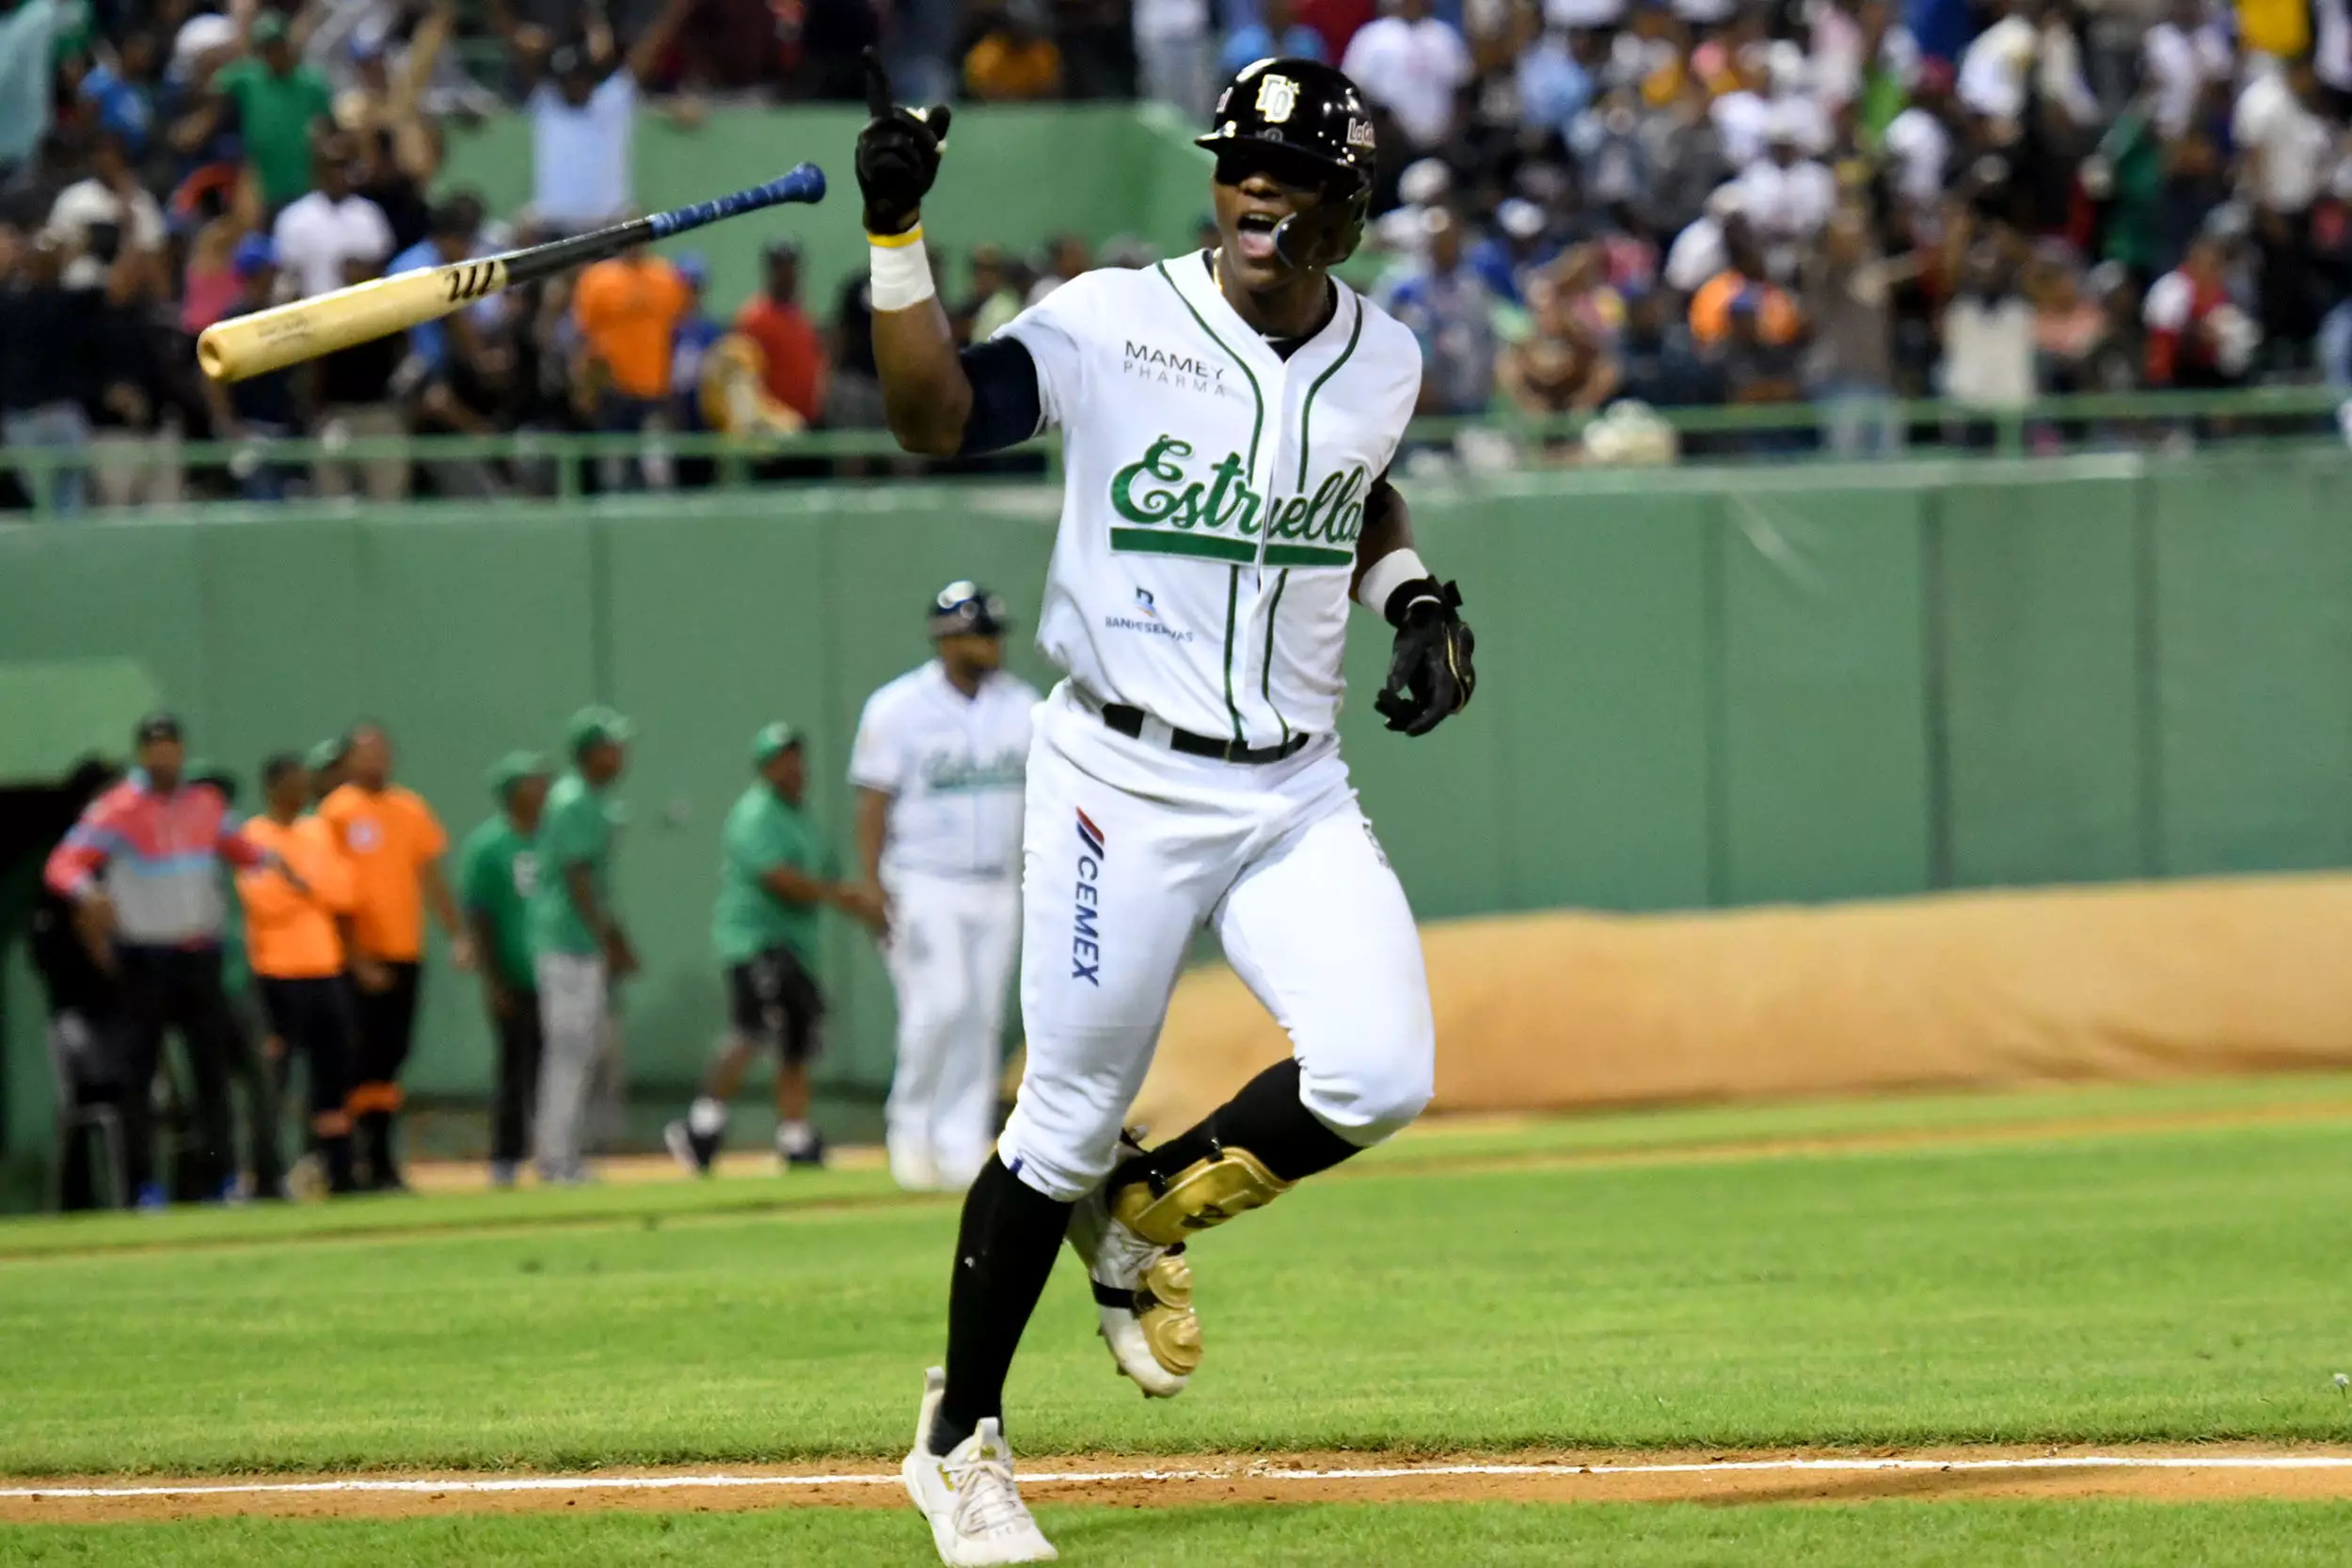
x=977 y=1515
x=1143 y=1298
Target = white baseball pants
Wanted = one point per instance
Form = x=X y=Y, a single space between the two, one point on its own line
x=1128 y=848
x=951 y=960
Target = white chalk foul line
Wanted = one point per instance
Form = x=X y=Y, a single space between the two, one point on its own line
x=1252 y=1472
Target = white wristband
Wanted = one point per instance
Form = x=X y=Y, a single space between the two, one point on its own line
x=902 y=270
x=1387 y=575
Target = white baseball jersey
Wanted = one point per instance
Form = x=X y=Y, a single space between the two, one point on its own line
x=1215 y=494
x=953 y=766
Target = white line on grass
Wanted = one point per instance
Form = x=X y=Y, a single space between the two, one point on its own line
x=1251 y=1472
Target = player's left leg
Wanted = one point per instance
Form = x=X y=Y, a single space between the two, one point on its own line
x=695 y=1139
x=388 y=1026
x=572 y=1002
x=963 y=1125
x=1319 y=930
x=800 y=1035
x=323 y=1018
x=927 y=975
x=517 y=1082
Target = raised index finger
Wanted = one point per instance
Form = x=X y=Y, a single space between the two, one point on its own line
x=876 y=87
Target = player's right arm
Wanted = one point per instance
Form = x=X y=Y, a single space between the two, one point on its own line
x=938 y=399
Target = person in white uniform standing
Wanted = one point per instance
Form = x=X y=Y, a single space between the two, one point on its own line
x=938 y=764
x=1228 y=419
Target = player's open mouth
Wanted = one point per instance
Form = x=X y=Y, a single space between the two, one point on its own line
x=1253 y=235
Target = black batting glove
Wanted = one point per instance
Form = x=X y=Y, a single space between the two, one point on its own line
x=1430 y=676
x=898 y=154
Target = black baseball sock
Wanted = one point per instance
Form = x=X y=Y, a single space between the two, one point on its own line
x=1004 y=1251
x=1267 y=1118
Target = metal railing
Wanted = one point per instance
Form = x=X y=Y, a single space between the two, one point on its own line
x=567 y=466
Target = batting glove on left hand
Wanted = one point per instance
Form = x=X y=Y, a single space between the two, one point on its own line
x=1430 y=676
x=898 y=154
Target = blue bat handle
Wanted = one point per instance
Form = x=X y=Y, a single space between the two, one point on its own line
x=803 y=183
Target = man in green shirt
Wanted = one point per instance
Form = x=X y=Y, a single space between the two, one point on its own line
x=278 y=99
x=497 y=871
x=578 y=949
x=775 y=872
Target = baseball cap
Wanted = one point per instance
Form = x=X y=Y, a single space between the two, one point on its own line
x=269 y=27
x=781 y=247
x=773 y=739
x=252 y=254
x=514 y=768
x=964 y=606
x=326 y=753
x=596 y=724
x=156 y=726
x=692 y=267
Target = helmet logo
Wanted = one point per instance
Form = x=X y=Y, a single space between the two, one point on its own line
x=1359 y=133
x=1276 y=96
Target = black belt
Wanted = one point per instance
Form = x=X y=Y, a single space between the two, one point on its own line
x=1128 y=720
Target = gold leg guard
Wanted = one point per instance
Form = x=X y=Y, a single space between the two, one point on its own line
x=1205 y=1192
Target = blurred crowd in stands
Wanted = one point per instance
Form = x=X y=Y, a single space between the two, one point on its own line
x=1676 y=201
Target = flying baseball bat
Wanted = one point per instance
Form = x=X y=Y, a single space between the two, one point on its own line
x=304 y=329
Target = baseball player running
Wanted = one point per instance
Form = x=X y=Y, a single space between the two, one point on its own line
x=938 y=764
x=1228 y=421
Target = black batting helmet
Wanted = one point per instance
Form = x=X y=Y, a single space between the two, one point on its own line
x=967 y=607
x=1305 y=123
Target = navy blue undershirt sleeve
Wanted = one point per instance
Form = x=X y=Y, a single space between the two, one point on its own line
x=1005 y=407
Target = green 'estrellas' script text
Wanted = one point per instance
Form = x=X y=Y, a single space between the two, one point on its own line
x=1175 y=510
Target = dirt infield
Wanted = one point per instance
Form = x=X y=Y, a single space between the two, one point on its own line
x=2202 y=1474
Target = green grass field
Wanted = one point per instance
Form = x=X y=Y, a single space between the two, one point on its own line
x=1667 y=1535
x=2099 y=1265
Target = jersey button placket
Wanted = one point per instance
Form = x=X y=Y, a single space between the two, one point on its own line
x=1273 y=373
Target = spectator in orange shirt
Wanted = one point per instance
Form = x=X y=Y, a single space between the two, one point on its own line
x=792 y=350
x=296 y=947
x=394 y=843
x=1015 y=59
x=1777 y=318
x=627 y=310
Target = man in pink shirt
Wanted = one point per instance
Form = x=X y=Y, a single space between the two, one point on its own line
x=142 y=869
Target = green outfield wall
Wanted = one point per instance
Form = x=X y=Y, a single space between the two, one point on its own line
x=1698 y=688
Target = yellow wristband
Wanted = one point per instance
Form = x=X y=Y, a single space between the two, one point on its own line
x=897 y=242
